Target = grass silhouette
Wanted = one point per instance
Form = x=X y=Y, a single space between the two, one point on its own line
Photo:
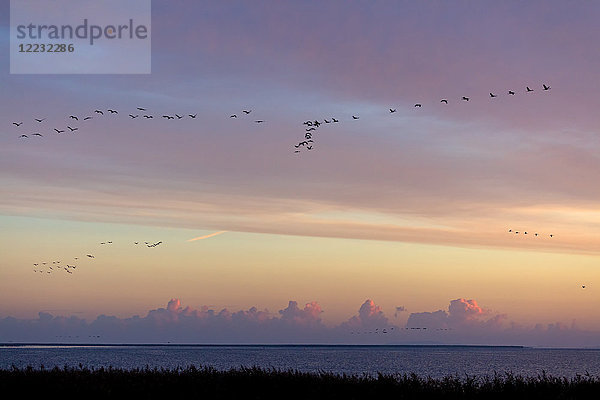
x=259 y=383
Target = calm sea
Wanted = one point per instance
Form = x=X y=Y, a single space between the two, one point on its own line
x=434 y=361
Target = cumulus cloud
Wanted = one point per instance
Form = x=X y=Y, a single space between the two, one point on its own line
x=369 y=315
x=399 y=309
x=463 y=322
x=462 y=314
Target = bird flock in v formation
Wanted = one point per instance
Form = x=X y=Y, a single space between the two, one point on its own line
x=49 y=267
x=310 y=126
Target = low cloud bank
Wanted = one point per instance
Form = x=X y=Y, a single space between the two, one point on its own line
x=464 y=322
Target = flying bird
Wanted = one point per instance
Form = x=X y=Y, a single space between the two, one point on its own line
x=418 y=105
x=444 y=101
x=511 y=92
x=355 y=117
x=192 y=115
x=98 y=112
x=546 y=87
x=23 y=136
x=246 y=111
x=113 y=111
x=529 y=90
x=133 y=116
x=392 y=110
x=178 y=116
x=493 y=95
x=233 y=116
x=58 y=130
x=583 y=286
x=72 y=129
x=90 y=256
x=334 y=120
x=38 y=134
x=465 y=98
x=39 y=120
x=148 y=116
x=141 y=109
x=74 y=117
x=258 y=121
x=168 y=117
x=17 y=123
x=86 y=118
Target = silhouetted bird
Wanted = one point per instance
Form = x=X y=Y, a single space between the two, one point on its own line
x=465 y=98
x=192 y=115
x=86 y=118
x=258 y=121
x=72 y=129
x=493 y=95
x=133 y=116
x=355 y=117
x=334 y=120
x=511 y=92
x=38 y=134
x=546 y=87
x=178 y=116
x=233 y=116
x=418 y=105
x=17 y=123
x=529 y=90
x=58 y=130
x=392 y=110
x=148 y=116
x=39 y=120
x=246 y=111
x=98 y=112
x=141 y=109
x=583 y=286
x=23 y=136
x=74 y=117
x=113 y=111
x=444 y=101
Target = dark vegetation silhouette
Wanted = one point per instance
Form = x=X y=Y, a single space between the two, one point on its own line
x=257 y=383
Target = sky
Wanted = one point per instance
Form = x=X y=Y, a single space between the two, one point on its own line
x=402 y=219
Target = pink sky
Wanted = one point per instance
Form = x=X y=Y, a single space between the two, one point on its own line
x=443 y=183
